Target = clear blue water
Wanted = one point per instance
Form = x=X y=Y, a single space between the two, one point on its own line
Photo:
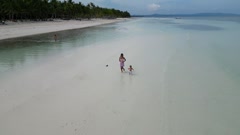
x=21 y=52
x=192 y=62
x=217 y=37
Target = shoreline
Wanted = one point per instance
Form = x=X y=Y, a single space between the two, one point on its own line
x=22 y=29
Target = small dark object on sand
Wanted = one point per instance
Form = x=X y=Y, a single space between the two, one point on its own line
x=106 y=65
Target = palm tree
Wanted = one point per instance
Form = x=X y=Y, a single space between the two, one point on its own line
x=43 y=9
x=9 y=8
x=1 y=10
x=53 y=8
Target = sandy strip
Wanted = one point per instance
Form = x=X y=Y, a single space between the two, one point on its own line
x=19 y=29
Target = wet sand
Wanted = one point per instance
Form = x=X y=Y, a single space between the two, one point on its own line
x=174 y=90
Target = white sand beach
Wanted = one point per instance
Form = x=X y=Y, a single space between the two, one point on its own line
x=28 y=28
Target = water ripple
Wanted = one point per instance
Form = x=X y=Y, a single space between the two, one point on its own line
x=200 y=27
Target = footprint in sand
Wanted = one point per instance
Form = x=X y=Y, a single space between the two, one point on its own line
x=75 y=127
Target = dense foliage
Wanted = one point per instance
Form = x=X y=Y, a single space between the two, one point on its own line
x=45 y=9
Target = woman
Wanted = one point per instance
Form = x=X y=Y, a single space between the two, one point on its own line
x=122 y=59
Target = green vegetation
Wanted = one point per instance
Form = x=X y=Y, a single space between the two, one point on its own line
x=46 y=9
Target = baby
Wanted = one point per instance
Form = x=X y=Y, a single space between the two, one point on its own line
x=130 y=70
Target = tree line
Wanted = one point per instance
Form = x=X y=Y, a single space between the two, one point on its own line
x=45 y=9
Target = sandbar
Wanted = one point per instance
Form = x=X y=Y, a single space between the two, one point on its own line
x=28 y=28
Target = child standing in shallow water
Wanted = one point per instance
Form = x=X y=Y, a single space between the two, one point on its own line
x=130 y=69
x=122 y=59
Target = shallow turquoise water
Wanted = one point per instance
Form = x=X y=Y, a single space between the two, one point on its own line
x=191 y=66
x=217 y=38
x=20 y=52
